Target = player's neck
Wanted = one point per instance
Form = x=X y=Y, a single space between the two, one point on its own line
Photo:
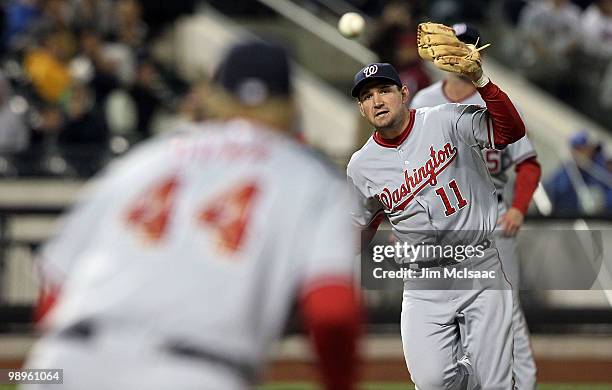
x=397 y=129
x=457 y=89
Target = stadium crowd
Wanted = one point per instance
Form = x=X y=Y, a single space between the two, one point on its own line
x=75 y=74
x=563 y=46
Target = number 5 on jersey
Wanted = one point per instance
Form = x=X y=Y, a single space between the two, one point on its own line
x=461 y=202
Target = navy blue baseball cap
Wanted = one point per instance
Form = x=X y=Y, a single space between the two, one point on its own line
x=379 y=70
x=254 y=71
x=466 y=33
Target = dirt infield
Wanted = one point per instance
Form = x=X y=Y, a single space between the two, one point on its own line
x=559 y=358
x=393 y=370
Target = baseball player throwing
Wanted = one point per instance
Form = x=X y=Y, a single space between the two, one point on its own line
x=423 y=170
x=178 y=268
x=455 y=88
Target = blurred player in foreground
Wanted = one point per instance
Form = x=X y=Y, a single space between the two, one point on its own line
x=423 y=170
x=456 y=88
x=178 y=268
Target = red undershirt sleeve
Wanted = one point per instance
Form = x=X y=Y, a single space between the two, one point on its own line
x=528 y=174
x=47 y=296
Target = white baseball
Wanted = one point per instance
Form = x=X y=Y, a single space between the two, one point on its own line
x=351 y=24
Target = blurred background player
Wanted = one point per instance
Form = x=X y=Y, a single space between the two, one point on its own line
x=551 y=31
x=456 y=88
x=178 y=268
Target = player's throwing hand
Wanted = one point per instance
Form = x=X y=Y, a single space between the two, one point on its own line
x=511 y=221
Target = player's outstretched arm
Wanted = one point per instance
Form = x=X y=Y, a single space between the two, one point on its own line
x=332 y=315
x=508 y=127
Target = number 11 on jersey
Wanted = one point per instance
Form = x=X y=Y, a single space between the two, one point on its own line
x=461 y=202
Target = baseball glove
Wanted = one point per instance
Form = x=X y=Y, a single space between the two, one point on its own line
x=439 y=44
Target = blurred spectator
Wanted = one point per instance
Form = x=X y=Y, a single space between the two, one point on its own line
x=58 y=13
x=122 y=59
x=146 y=96
x=129 y=27
x=157 y=14
x=608 y=190
x=513 y=9
x=474 y=10
x=395 y=42
x=14 y=135
x=597 y=30
x=106 y=66
x=47 y=66
x=606 y=89
x=580 y=185
x=91 y=63
x=455 y=11
x=373 y=8
x=551 y=29
x=20 y=15
x=83 y=140
x=46 y=122
x=96 y=15
x=67 y=58
x=446 y=11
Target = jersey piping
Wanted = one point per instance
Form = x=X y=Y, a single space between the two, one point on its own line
x=397 y=141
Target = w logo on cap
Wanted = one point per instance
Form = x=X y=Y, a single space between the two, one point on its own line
x=370 y=70
x=378 y=70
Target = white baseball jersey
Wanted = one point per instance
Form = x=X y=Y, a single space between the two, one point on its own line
x=596 y=32
x=557 y=28
x=498 y=161
x=432 y=180
x=203 y=237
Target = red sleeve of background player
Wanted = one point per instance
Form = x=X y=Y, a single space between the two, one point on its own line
x=528 y=174
x=46 y=300
x=332 y=314
x=508 y=127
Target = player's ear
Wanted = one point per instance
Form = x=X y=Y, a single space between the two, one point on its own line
x=405 y=93
x=361 y=109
